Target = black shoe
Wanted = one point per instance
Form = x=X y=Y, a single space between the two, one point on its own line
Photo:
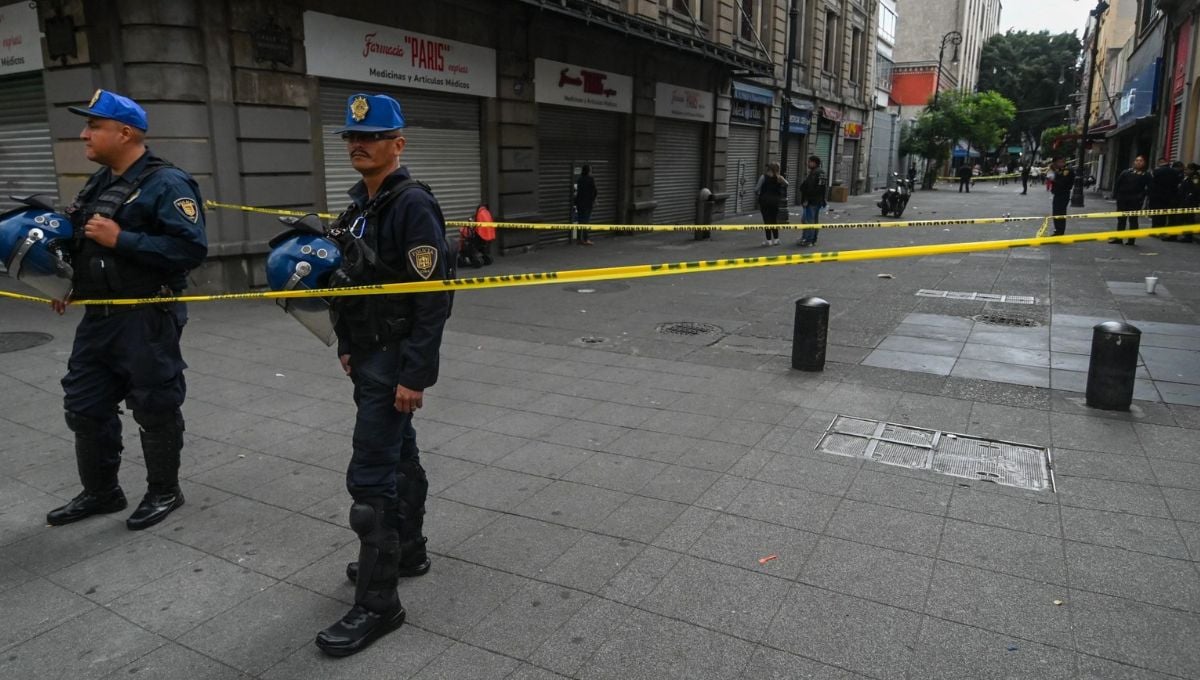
x=1115 y=241
x=358 y=629
x=87 y=504
x=153 y=509
x=1129 y=242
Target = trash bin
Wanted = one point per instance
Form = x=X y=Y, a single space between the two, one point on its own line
x=705 y=204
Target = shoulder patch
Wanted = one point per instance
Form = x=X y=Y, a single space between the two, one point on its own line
x=423 y=260
x=187 y=207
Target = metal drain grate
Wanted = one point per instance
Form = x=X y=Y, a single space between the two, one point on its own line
x=19 y=340
x=592 y=340
x=688 y=328
x=1007 y=319
x=982 y=297
x=1006 y=463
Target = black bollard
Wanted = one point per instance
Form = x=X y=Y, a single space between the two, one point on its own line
x=808 y=334
x=1113 y=365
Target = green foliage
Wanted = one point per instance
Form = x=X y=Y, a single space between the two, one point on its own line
x=1067 y=148
x=1026 y=68
x=980 y=118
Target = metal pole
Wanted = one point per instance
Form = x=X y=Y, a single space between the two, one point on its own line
x=1077 y=190
x=784 y=133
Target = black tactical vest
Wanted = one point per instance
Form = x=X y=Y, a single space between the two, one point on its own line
x=103 y=272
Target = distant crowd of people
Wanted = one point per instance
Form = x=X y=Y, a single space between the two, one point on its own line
x=1169 y=185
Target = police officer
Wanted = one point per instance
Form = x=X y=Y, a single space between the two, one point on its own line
x=1060 y=190
x=1130 y=190
x=388 y=344
x=139 y=228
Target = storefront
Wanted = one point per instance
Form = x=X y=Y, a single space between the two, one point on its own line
x=579 y=117
x=26 y=151
x=440 y=85
x=743 y=155
x=848 y=160
x=799 y=124
x=825 y=141
x=683 y=116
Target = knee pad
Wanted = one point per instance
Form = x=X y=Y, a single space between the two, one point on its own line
x=159 y=421
x=373 y=518
x=81 y=424
x=362 y=518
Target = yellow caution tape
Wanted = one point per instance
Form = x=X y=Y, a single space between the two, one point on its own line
x=647 y=270
x=982 y=178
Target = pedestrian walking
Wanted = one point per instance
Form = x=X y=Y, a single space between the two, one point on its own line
x=138 y=229
x=812 y=199
x=585 y=200
x=1164 y=184
x=771 y=191
x=1025 y=170
x=389 y=345
x=964 y=178
x=912 y=174
x=1060 y=192
x=1130 y=190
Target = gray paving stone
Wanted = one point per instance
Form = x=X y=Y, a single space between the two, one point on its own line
x=913 y=330
x=1092 y=668
x=860 y=400
x=480 y=446
x=790 y=507
x=464 y=662
x=1123 y=573
x=1023 y=338
x=1172 y=473
x=1017 y=356
x=868 y=638
x=301 y=487
x=1094 y=434
x=640 y=519
x=172 y=661
x=125 y=567
x=575 y=505
x=52 y=548
x=680 y=484
x=1111 y=466
x=455 y=595
x=544 y=460
x=641 y=576
x=524 y=621
x=1031 y=376
x=448 y=523
x=211 y=527
x=1178 y=393
x=1016 y=553
x=37 y=606
x=327 y=575
x=872 y=573
x=937 y=413
x=735 y=601
x=445 y=471
x=886 y=527
x=100 y=642
x=1191 y=536
x=517 y=544
x=1011 y=424
x=495 y=489
x=1138 y=634
x=823 y=475
x=1003 y=604
x=1102 y=494
x=1032 y=512
x=527 y=672
x=650 y=646
x=742 y=542
x=585 y=435
x=574 y=644
x=981 y=654
x=772 y=664
x=1172 y=443
x=921 y=346
x=179 y=601
x=592 y=562
x=284 y=548
x=741 y=432
x=1121 y=530
x=617 y=472
x=900 y=491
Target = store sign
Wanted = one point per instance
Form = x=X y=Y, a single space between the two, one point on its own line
x=355 y=50
x=830 y=113
x=673 y=101
x=799 y=122
x=20 y=39
x=747 y=112
x=580 y=86
x=852 y=130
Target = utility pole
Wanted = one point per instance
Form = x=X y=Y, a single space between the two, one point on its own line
x=793 y=20
x=1081 y=173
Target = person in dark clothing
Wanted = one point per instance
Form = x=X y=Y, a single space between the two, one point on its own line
x=912 y=173
x=812 y=199
x=1164 y=184
x=1130 y=191
x=139 y=224
x=1060 y=191
x=1025 y=179
x=772 y=195
x=964 y=177
x=585 y=200
x=1188 y=196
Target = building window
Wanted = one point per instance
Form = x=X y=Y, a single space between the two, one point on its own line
x=883 y=72
x=693 y=8
x=803 y=21
x=1146 y=13
x=746 y=30
x=828 y=63
x=856 y=55
x=887 y=24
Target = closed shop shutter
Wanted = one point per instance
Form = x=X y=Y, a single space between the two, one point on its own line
x=882 y=146
x=847 y=161
x=797 y=166
x=26 y=152
x=443 y=145
x=824 y=151
x=678 y=171
x=741 y=167
x=568 y=139
x=1176 y=129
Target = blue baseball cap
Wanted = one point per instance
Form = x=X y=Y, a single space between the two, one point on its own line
x=372 y=113
x=107 y=104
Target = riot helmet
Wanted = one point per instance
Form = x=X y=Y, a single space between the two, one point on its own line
x=32 y=241
x=303 y=258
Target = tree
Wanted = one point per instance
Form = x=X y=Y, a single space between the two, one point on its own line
x=1066 y=148
x=987 y=117
x=981 y=118
x=1037 y=72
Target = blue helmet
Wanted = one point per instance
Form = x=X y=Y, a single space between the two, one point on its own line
x=32 y=240
x=300 y=258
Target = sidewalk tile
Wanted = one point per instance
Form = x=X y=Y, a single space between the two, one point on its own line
x=575 y=505
x=399 y=654
x=1094 y=434
x=1121 y=530
x=772 y=664
x=1111 y=466
x=1122 y=573
x=211 y=527
x=592 y=562
x=742 y=542
x=680 y=484
x=479 y=446
x=1010 y=552
x=1138 y=634
x=172 y=662
x=542 y=459
x=519 y=625
x=1003 y=604
x=979 y=654
x=735 y=601
x=517 y=544
x=575 y=642
x=95 y=644
x=1093 y=668
x=813 y=474
x=495 y=489
x=650 y=647
x=794 y=508
x=35 y=607
x=872 y=573
x=1022 y=425
x=640 y=519
x=865 y=637
x=900 y=491
x=886 y=527
x=999 y=372
x=110 y=574
x=284 y=548
x=1032 y=512
x=616 y=472
x=1102 y=494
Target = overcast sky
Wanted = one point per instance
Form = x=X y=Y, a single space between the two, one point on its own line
x=1055 y=16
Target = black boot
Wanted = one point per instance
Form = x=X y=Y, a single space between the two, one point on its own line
x=162 y=442
x=377 y=610
x=413 y=488
x=98 y=457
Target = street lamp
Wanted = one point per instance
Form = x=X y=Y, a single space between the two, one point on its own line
x=1077 y=190
x=951 y=38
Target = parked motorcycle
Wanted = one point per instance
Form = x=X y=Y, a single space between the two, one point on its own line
x=895 y=198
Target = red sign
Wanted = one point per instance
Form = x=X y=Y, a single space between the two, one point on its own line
x=831 y=114
x=1183 y=54
x=852 y=130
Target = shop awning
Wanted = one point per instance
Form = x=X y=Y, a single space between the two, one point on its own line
x=753 y=93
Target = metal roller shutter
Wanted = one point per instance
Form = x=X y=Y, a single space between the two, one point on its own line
x=882 y=147
x=678 y=166
x=824 y=151
x=443 y=150
x=26 y=152
x=741 y=167
x=847 y=162
x=568 y=138
x=797 y=167
x=1176 y=140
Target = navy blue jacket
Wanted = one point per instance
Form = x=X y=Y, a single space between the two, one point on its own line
x=411 y=220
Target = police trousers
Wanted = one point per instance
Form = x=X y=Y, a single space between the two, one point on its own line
x=385 y=443
x=1058 y=206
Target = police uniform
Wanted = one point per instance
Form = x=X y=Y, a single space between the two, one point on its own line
x=130 y=352
x=1130 y=193
x=396 y=235
x=1060 y=190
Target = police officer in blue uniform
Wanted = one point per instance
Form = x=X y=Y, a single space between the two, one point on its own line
x=1060 y=193
x=138 y=229
x=389 y=345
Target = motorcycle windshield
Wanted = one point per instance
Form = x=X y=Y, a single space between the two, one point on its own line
x=41 y=269
x=313 y=314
